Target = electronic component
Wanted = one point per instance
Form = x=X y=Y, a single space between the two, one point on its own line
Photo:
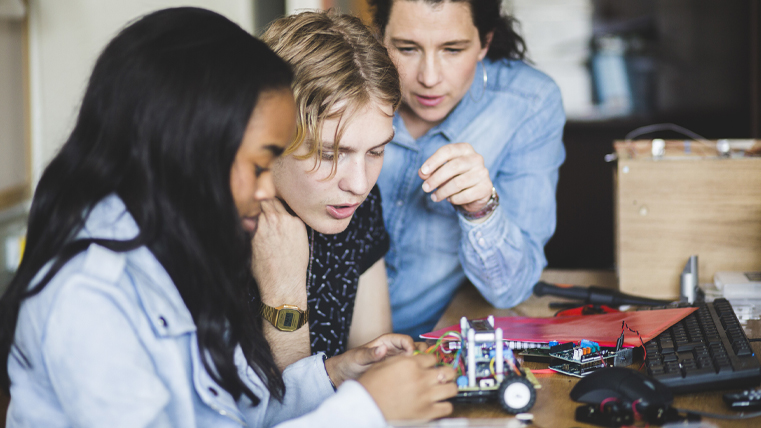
x=487 y=367
x=579 y=360
x=745 y=400
x=611 y=415
x=484 y=329
x=738 y=285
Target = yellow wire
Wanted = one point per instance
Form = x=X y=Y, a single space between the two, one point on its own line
x=441 y=339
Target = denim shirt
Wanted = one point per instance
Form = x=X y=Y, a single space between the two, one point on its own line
x=110 y=343
x=515 y=122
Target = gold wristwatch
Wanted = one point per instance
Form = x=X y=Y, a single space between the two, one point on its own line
x=285 y=317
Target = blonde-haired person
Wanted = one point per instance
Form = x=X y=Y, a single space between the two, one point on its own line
x=328 y=208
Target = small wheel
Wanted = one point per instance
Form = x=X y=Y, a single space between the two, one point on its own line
x=517 y=394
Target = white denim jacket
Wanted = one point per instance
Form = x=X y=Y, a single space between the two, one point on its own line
x=110 y=343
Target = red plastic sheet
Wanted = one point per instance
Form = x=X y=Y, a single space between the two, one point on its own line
x=604 y=329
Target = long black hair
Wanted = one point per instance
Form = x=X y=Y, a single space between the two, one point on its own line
x=487 y=17
x=162 y=118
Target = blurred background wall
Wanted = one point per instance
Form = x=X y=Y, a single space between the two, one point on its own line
x=620 y=65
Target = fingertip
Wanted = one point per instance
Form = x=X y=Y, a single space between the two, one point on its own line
x=380 y=351
x=424 y=169
x=420 y=346
x=409 y=349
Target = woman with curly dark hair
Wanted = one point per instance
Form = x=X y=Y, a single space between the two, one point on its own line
x=469 y=180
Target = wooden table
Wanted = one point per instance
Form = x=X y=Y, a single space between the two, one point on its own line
x=553 y=407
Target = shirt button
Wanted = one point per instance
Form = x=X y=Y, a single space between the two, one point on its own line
x=482 y=242
x=399 y=203
x=479 y=235
x=163 y=321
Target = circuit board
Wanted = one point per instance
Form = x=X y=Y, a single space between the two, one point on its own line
x=580 y=360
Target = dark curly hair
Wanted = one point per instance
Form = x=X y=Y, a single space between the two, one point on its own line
x=487 y=17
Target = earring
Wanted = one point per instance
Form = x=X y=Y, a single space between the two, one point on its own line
x=486 y=78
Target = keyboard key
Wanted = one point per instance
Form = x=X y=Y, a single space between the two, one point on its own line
x=687 y=346
x=667 y=347
x=741 y=349
x=665 y=377
x=706 y=363
x=713 y=339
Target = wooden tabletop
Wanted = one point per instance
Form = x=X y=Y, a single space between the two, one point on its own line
x=553 y=407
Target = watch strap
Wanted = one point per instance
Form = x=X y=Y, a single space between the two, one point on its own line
x=490 y=206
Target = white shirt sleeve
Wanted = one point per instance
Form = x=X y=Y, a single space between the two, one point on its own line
x=311 y=402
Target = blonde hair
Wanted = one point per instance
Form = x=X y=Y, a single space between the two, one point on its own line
x=339 y=66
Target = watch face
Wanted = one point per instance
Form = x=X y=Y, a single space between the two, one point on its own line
x=288 y=319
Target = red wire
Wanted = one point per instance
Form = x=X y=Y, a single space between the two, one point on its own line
x=602 y=403
x=624 y=324
x=637 y=415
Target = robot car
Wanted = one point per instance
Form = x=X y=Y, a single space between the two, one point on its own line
x=488 y=369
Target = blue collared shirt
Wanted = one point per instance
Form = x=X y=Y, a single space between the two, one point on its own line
x=110 y=343
x=516 y=123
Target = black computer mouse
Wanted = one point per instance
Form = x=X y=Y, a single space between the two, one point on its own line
x=627 y=385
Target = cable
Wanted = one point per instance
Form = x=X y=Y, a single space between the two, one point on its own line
x=607 y=400
x=756 y=339
x=718 y=416
x=666 y=127
x=625 y=325
x=642 y=130
x=456 y=361
x=440 y=341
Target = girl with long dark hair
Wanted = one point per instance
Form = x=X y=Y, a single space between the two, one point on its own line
x=131 y=306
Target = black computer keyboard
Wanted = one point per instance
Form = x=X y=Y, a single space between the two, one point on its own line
x=707 y=350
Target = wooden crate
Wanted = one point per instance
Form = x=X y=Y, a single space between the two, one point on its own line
x=689 y=201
